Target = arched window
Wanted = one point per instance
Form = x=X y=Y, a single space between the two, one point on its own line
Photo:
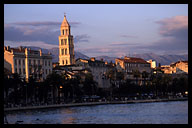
x=65 y=41
x=63 y=32
x=63 y=62
x=61 y=41
x=62 y=51
x=66 y=62
x=66 y=32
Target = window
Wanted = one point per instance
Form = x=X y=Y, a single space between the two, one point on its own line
x=66 y=62
x=33 y=62
x=19 y=62
x=63 y=32
x=15 y=70
x=65 y=41
x=45 y=63
x=63 y=61
x=61 y=41
x=65 y=51
x=23 y=70
x=66 y=31
x=62 y=51
x=19 y=70
x=46 y=71
x=49 y=63
x=15 y=62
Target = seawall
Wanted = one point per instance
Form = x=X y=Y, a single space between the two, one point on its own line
x=92 y=103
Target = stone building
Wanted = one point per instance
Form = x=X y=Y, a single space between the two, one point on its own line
x=130 y=66
x=153 y=63
x=27 y=62
x=66 y=46
x=178 y=67
x=98 y=69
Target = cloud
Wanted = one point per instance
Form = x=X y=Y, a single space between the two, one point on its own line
x=128 y=36
x=30 y=43
x=37 y=23
x=123 y=44
x=81 y=38
x=47 y=31
x=174 y=32
x=27 y=33
x=175 y=26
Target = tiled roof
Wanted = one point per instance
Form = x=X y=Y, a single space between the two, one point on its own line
x=65 y=22
x=134 y=60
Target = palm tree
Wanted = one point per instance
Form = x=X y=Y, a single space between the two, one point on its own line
x=54 y=80
x=166 y=79
x=144 y=76
x=89 y=85
x=111 y=75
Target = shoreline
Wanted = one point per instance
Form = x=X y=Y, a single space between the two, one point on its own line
x=93 y=103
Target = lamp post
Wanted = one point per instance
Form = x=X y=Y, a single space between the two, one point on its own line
x=60 y=87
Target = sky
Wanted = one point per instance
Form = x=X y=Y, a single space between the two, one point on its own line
x=112 y=30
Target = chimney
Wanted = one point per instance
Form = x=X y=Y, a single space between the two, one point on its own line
x=92 y=58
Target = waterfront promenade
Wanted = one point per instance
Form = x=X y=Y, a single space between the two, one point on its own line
x=93 y=103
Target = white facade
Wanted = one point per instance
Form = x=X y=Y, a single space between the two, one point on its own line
x=28 y=62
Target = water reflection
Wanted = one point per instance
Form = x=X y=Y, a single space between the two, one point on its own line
x=68 y=117
x=144 y=113
x=69 y=120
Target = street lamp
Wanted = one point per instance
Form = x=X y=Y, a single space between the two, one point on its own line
x=60 y=91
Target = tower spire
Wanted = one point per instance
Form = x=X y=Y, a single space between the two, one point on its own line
x=66 y=46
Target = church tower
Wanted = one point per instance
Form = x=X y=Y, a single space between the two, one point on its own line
x=66 y=46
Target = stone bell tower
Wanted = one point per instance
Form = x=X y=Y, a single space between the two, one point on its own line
x=66 y=46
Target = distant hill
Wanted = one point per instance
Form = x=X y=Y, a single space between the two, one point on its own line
x=106 y=58
x=163 y=59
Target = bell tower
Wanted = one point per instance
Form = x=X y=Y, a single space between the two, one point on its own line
x=66 y=46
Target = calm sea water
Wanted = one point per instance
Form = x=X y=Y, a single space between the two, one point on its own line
x=175 y=112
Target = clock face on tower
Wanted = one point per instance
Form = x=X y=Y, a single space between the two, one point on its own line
x=66 y=46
